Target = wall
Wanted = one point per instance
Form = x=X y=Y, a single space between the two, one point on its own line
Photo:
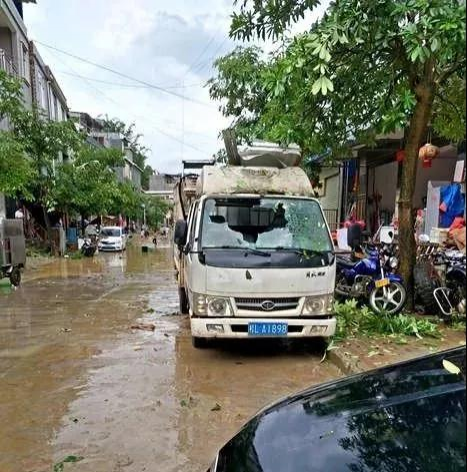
x=5 y=41
x=385 y=178
x=385 y=183
x=329 y=193
x=441 y=169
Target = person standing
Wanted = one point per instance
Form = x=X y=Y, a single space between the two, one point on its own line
x=19 y=215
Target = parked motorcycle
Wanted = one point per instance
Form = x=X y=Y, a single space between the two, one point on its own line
x=373 y=279
x=89 y=247
x=450 y=296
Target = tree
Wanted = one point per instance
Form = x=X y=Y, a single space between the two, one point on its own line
x=366 y=67
x=87 y=185
x=43 y=142
x=16 y=173
x=156 y=211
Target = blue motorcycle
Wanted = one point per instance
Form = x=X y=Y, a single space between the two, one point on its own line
x=372 y=279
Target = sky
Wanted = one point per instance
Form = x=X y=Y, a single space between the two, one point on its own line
x=170 y=44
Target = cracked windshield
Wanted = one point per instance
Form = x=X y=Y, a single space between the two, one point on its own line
x=232 y=236
x=266 y=223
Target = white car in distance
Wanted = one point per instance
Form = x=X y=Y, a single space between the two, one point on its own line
x=112 y=238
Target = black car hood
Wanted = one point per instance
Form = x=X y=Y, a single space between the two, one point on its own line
x=404 y=418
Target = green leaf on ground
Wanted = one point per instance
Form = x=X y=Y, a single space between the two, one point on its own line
x=58 y=467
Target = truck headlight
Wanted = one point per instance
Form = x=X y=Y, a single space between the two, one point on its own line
x=318 y=305
x=207 y=305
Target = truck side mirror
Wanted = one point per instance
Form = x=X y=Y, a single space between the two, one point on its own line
x=180 y=233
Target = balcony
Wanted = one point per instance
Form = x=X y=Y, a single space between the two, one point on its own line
x=7 y=63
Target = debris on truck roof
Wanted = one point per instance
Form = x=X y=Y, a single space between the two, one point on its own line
x=263 y=154
x=215 y=180
x=260 y=153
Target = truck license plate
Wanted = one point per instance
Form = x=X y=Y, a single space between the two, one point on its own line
x=382 y=283
x=268 y=329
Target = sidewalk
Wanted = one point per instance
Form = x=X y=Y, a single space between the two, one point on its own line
x=362 y=354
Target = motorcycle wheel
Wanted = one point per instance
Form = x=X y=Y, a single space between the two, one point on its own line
x=425 y=284
x=342 y=289
x=390 y=299
x=15 y=277
x=458 y=300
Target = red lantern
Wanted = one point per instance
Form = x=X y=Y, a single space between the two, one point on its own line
x=400 y=155
x=427 y=153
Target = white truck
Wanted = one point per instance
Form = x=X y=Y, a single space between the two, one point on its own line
x=254 y=257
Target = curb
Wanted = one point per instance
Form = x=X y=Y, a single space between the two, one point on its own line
x=343 y=362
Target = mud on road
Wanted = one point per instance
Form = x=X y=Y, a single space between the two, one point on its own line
x=76 y=380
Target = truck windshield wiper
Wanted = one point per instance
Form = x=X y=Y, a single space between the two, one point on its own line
x=302 y=252
x=248 y=250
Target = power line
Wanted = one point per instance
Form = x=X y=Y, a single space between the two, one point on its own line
x=120 y=84
x=164 y=133
x=121 y=74
x=201 y=66
x=201 y=54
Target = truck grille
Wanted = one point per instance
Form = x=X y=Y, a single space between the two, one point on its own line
x=267 y=304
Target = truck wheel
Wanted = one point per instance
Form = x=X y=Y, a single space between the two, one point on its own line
x=425 y=284
x=183 y=301
x=199 y=343
x=15 y=277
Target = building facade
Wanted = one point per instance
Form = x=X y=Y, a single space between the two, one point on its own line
x=20 y=58
x=96 y=136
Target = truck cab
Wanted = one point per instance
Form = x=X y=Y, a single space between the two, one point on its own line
x=255 y=256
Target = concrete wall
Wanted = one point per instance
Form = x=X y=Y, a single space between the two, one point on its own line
x=5 y=41
x=329 y=193
x=442 y=169
x=385 y=178
x=385 y=183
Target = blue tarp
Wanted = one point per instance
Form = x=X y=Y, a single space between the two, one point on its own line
x=452 y=198
x=72 y=235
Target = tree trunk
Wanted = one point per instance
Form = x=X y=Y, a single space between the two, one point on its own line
x=48 y=227
x=416 y=133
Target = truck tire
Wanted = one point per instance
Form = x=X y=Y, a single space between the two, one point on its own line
x=15 y=277
x=424 y=287
x=183 y=301
x=199 y=343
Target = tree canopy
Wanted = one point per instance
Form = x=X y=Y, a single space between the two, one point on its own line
x=51 y=163
x=365 y=67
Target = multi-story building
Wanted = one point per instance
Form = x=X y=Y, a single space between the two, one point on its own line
x=94 y=129
x=14 y=46
x=163 y=185
x=14 y=59
x=46 y=94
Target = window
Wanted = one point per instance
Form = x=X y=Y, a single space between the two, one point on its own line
x=265 y=223
x=24 y=62
x=41 y=85
x=53 y=104
x=193 y=224
x=55 y=109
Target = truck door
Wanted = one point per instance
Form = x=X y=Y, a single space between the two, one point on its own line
x=188 y=257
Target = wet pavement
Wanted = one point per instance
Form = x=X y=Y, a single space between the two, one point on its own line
x=76 y=380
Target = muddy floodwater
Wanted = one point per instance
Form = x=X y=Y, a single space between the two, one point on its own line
x=76 y=380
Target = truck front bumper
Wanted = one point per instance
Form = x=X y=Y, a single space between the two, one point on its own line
x=238 y=327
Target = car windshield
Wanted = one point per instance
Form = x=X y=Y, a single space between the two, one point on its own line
x=111 y=232
x=264 y=223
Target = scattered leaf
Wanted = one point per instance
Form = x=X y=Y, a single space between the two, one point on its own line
x=58 y=467
x=144 y=327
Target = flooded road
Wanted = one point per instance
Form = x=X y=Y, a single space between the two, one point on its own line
x=76 y=380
